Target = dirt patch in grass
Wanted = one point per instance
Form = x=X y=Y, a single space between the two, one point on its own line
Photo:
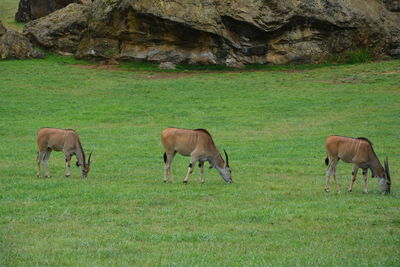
x=146 y=74
x=177 y=74
x=342 y=80
x=101 y=67
x=349 y=80
x=162 y=76
x=391 y=72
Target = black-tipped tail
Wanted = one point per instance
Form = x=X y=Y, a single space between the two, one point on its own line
x=165 y=157
x=327 y=161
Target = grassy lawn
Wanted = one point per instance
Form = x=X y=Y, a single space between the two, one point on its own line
x=273 y=125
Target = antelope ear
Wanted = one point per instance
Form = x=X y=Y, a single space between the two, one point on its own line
x=77 y=163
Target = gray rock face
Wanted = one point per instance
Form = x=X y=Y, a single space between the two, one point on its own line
x=60 y=31
x=34 y=9
x=17 y=46
x=233 y=32
x=167 y=66
x=395 y=52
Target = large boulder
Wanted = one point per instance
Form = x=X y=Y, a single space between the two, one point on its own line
x=34 y=9
x=234 y=32
x=231 y=32
x=17 y=46
x=60 y=31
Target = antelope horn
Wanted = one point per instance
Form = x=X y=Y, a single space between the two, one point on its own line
x=90 y=155
x=227 y=159
x=387 y=168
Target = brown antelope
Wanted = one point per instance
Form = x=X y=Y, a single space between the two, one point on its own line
x=65 y=140
x=360 y=152
x=196 y=144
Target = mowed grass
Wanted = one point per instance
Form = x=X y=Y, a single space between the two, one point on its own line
x=273 y=125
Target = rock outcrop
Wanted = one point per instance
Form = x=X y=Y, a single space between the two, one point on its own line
x=34 y=9
x=15 y=45
x=62 y=30
x=230 y=32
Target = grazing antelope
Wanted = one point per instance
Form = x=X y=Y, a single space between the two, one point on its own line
x=196 y=144
x=360 y=152
x=65 y=140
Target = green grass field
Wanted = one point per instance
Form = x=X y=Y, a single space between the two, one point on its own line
x=273 y=124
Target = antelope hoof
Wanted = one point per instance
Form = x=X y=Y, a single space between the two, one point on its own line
x=165 y=181
x=47 y=176
x=68 y=175
x=185 y=182
x=327 y=190
x=365 y=192
x=350 y=190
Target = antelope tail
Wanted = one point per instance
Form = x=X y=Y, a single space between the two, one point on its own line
x=165 y=157
x=327 y=161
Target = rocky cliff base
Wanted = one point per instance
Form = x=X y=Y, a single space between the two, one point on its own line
x=229 y=32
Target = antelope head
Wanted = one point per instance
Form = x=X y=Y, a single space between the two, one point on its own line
x=86 y=167
x=226 y=172
x=385 y=182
